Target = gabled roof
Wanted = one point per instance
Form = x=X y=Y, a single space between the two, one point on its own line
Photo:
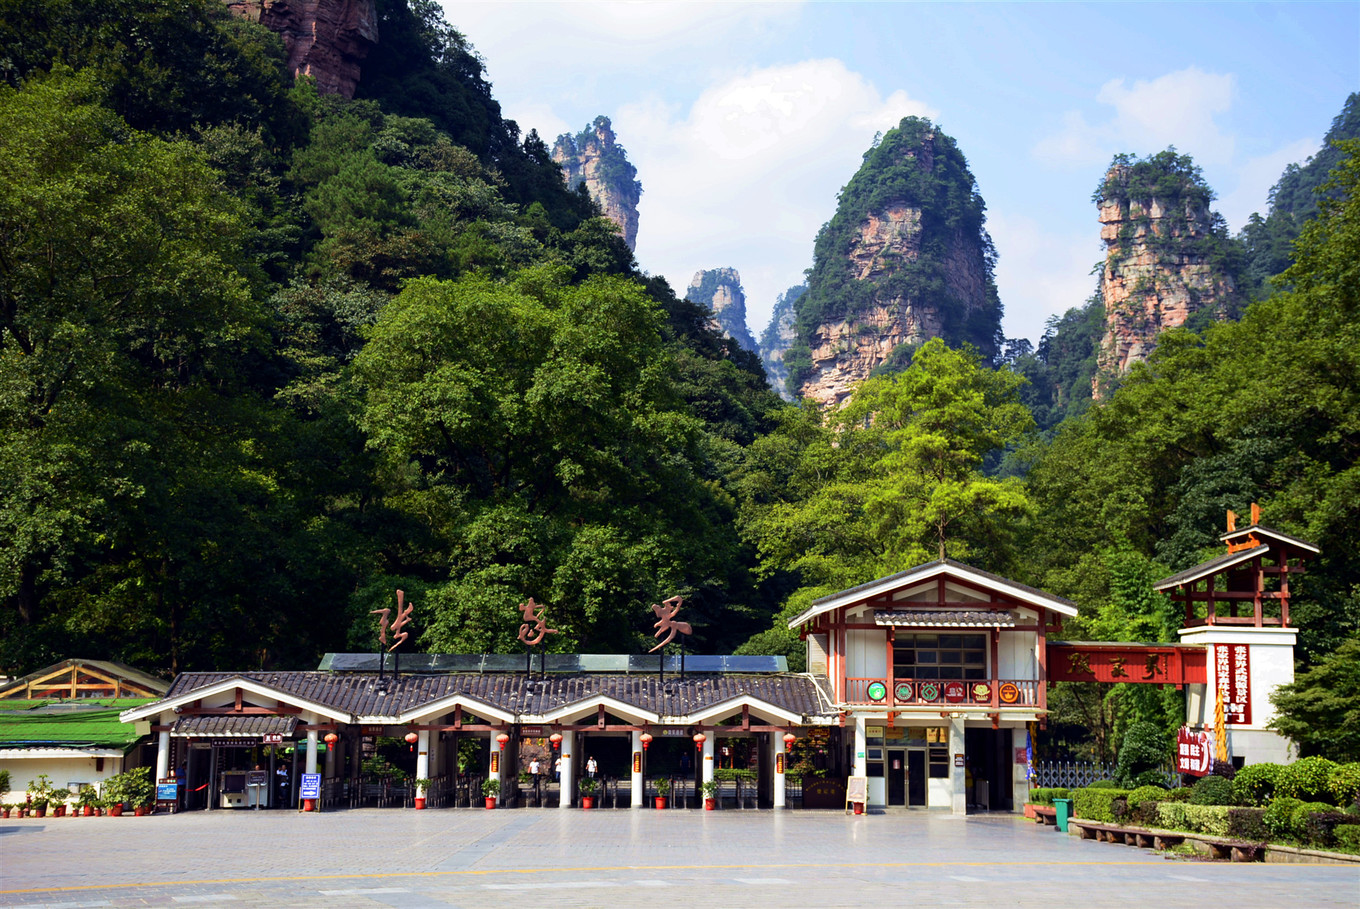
x=1213 y=566
x=1260 y=532
x=218 y=682
x=18 y=687
x=953 y=618
x=948 y=567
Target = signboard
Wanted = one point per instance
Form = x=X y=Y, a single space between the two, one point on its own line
x=982 y=693
x=824 y=794
x=873 y=732
x=779 y=762
x=311 y=786
x=257 y=777
x=857 y=790
x=272 y=738
x=675 y=730
x=903 y=691
x=930 y=692
x=958 y=760
x=167 y=792
x=1232 y=672
x=238 y=741
x=1009 y=692
x=370 y=730
x=1194 y=751
x=531 y=731
x=954 y=692
x=877 y=691
x=637 y=761
x=1167 y=664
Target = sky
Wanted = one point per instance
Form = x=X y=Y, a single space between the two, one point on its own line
x=745 y=120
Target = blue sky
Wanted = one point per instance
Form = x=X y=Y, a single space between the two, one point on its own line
x=744 y=120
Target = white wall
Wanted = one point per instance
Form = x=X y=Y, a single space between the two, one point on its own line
x=866 y=654
x=79 y=767
x=1018 y=654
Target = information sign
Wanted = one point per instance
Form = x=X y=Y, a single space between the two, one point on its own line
x=877 y=691
x=1232 y=672
x=958 y=760
x=167 y=792
x=903 y=691
x=257 y=777
x=311 y=786
x=1194 y=751
x=954 y=692
x=272 y=738
x=982 y=692
x=857 y=790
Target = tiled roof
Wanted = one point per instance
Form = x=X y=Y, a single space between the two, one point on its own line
x=1213 y=566
x=956 y=618
x=529 y=699
x=229 y=726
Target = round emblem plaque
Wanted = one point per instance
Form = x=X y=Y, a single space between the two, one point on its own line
x=1009 y=692
x=903 y=691
x=877 y=691
x=930 y=691
x=982 y=692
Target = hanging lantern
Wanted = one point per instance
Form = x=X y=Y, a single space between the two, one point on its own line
x=412 y=738
x=331 y=739
x=699 y=739
x=556 y=739
x=645 y=739
x=789 y=739
x=502 y=739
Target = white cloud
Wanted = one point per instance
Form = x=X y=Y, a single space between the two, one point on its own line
x=1177 y=109
x=747 y=175
x=1040 y=274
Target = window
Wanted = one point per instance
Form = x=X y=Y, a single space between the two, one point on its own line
x=940 y=656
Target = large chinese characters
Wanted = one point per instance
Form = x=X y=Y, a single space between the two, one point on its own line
x=535 y=627
x=403 y=616
x=665 y=621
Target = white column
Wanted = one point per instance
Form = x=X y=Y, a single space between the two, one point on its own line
x=637 y=783
x=568 y=767
x=707 y=758
x=495 y=767
x=861 y=764
x=422 y=759
x=779 y=756
x=311 y=751
x=163 y=755
x=958 y=775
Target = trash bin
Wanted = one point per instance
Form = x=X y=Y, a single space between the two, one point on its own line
x=1064 y=811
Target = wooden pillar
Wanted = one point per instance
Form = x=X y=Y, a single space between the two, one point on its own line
x=996 y=665
x=1209 y=601
x=892 y=696
x=1260 y=589
x=1041 y=696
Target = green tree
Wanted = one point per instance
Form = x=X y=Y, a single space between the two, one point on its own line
x=1320 y=709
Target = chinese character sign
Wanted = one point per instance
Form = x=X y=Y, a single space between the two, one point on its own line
x=535 y=627
x=1232 y=673
x=403 y=616
x=1194 y=752
x=666 y=624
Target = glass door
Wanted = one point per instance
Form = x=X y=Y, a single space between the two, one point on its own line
x=916 y=778
x=897 y=777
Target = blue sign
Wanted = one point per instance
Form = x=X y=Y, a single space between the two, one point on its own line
x=167 y=792
x=311 y=786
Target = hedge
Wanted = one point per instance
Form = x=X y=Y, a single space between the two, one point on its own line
x=1255 y=783
x=1347 y=837
x=1305 y=779
x=1277 y=816
x=1344 y=784
x=1208 y=819
x=1213 y=790
x=1247 y=824
x=1319 y=827
x=1096 y=803
x=1045 y=796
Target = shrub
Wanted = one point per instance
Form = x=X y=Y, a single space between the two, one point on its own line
x=1144 y=814
x=1182 y=794
x=1103 y=784
x=1224 y=769
x=1347 y=837
x=1298 y=818
x=1145 y=747
x=1150 y=778
x=1045 y=796
x=1344 y=784
x=1277 y=814
x=1119 y=808
x=1147 y=794
x=1171 y=815
x=1096 y=803
x=1305 y=779
x=1247 y=824
x=1213 y=790
x=1320 y=826
x=1210 y=819
x=1255 y=783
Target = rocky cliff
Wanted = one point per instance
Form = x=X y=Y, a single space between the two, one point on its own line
x=1168 y=259
x=594 y=158
x=325 y=39
x=777 y=338
x=905 y=258
x=720 y=290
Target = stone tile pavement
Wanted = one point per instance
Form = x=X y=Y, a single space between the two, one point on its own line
x=466 y=858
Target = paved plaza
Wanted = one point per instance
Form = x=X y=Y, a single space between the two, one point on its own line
x=464 y=858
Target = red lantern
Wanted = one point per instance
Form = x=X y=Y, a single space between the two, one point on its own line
x=412 y=738
x=646 y=739
x=502 y=739
x=789 y=739
x=331 y=739
x=556 y=739
x=699 y=739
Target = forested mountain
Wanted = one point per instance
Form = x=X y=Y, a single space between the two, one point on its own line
x=266 y=355
x=720 y=290
x=905 y=258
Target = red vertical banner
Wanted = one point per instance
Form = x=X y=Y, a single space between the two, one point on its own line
x=495 y=762
x=1232 y=674
x=779 y=762
x=637 y=761
x=1194 y=752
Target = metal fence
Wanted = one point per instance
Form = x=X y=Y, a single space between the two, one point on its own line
x=1075 y=774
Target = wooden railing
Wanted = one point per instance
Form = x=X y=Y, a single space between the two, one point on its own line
x=929 y=692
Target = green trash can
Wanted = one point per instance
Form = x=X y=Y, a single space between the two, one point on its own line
x=1064 y=811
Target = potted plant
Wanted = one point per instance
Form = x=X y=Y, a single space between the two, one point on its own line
x=710 y=788
x=113 y=795
x=587 y=788
x=422 y=788
x=39 y=793
x=663 y=789
x=491 y=789
x=87 y=799
x=4 y=791
x=56 y=801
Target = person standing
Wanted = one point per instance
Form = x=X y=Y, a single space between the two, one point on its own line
x=533 y=769
x=591 y=767
x=557 y=769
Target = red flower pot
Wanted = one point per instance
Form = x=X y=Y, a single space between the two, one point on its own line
x=89 y=810
x=141 y=811
x=59 y=811
x=40 y=812
x=115 y=811
x=660 y=801
x=309 y=804
x=859 y=807
x=420 y=804
x=710 y=804
x=587 y=802
x=490 y=802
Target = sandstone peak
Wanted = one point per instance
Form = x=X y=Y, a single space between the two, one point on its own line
x=593 y=157
x=720 y=290
x=324 y=39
